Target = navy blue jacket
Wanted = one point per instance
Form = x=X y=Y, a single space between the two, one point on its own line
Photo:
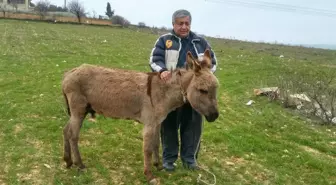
x=170 y=51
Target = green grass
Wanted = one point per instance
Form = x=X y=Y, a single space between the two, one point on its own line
x=258 y=144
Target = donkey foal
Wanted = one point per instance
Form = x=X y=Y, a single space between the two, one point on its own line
x=144 y=97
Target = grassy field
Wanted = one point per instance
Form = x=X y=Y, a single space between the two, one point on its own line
x=258 y=144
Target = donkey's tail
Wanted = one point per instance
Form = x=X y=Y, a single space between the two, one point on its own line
x=67 y=104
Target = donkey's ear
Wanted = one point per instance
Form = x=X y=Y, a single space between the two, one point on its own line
x=192 y=62
x=207 y=53
x=206 y=63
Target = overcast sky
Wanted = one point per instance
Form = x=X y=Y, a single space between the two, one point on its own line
x=234 y=18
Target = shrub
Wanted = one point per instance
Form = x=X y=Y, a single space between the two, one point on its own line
x=119 y=20
x=141 y=25
x=310 y=91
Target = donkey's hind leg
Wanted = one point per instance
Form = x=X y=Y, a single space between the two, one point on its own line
x=78 y=105
x=75 y=125
x=67 y=148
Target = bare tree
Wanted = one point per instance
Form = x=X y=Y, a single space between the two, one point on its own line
x=94 y=14
x=3 y=9
x=77 y=9
x=14 y=4
x=42 y=8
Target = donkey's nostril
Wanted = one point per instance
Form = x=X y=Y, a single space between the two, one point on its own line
x=212 y=117
x=216 y=114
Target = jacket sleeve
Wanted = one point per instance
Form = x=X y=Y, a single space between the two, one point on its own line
x=157 y=56
x=213 y=56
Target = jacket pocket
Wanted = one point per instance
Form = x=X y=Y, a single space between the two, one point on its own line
x=171 y=59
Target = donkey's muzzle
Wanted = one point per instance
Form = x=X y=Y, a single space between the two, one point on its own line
x=212 y=117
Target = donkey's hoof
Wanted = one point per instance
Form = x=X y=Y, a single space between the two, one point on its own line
x=68 y=165
x=81 y=170
x=158 y=166
x=81 y=167
x=154 y=181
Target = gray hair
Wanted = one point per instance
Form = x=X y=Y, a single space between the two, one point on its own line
x=180 y=13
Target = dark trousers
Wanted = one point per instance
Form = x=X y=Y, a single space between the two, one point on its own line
x=190 y=123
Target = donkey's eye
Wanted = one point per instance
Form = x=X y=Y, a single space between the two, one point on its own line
x=203 y=91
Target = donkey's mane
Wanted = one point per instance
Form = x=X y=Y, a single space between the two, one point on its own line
x=149 y=83
x=150 y=77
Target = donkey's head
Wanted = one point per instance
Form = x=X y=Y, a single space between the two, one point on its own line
x=202 y=88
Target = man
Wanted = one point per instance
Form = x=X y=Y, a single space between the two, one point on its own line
x=169 y=52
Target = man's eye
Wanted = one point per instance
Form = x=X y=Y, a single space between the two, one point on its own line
x=182 y=23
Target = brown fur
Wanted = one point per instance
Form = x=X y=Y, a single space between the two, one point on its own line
x=139 y=96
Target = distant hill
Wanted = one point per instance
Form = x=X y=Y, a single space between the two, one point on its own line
x=323 y=46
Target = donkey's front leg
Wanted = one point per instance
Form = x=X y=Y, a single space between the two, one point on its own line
x=148 y=139
x=156 y=148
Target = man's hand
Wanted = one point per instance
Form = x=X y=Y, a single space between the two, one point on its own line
x=165 y=75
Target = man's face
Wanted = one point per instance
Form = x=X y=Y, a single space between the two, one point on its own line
x=182 y=26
